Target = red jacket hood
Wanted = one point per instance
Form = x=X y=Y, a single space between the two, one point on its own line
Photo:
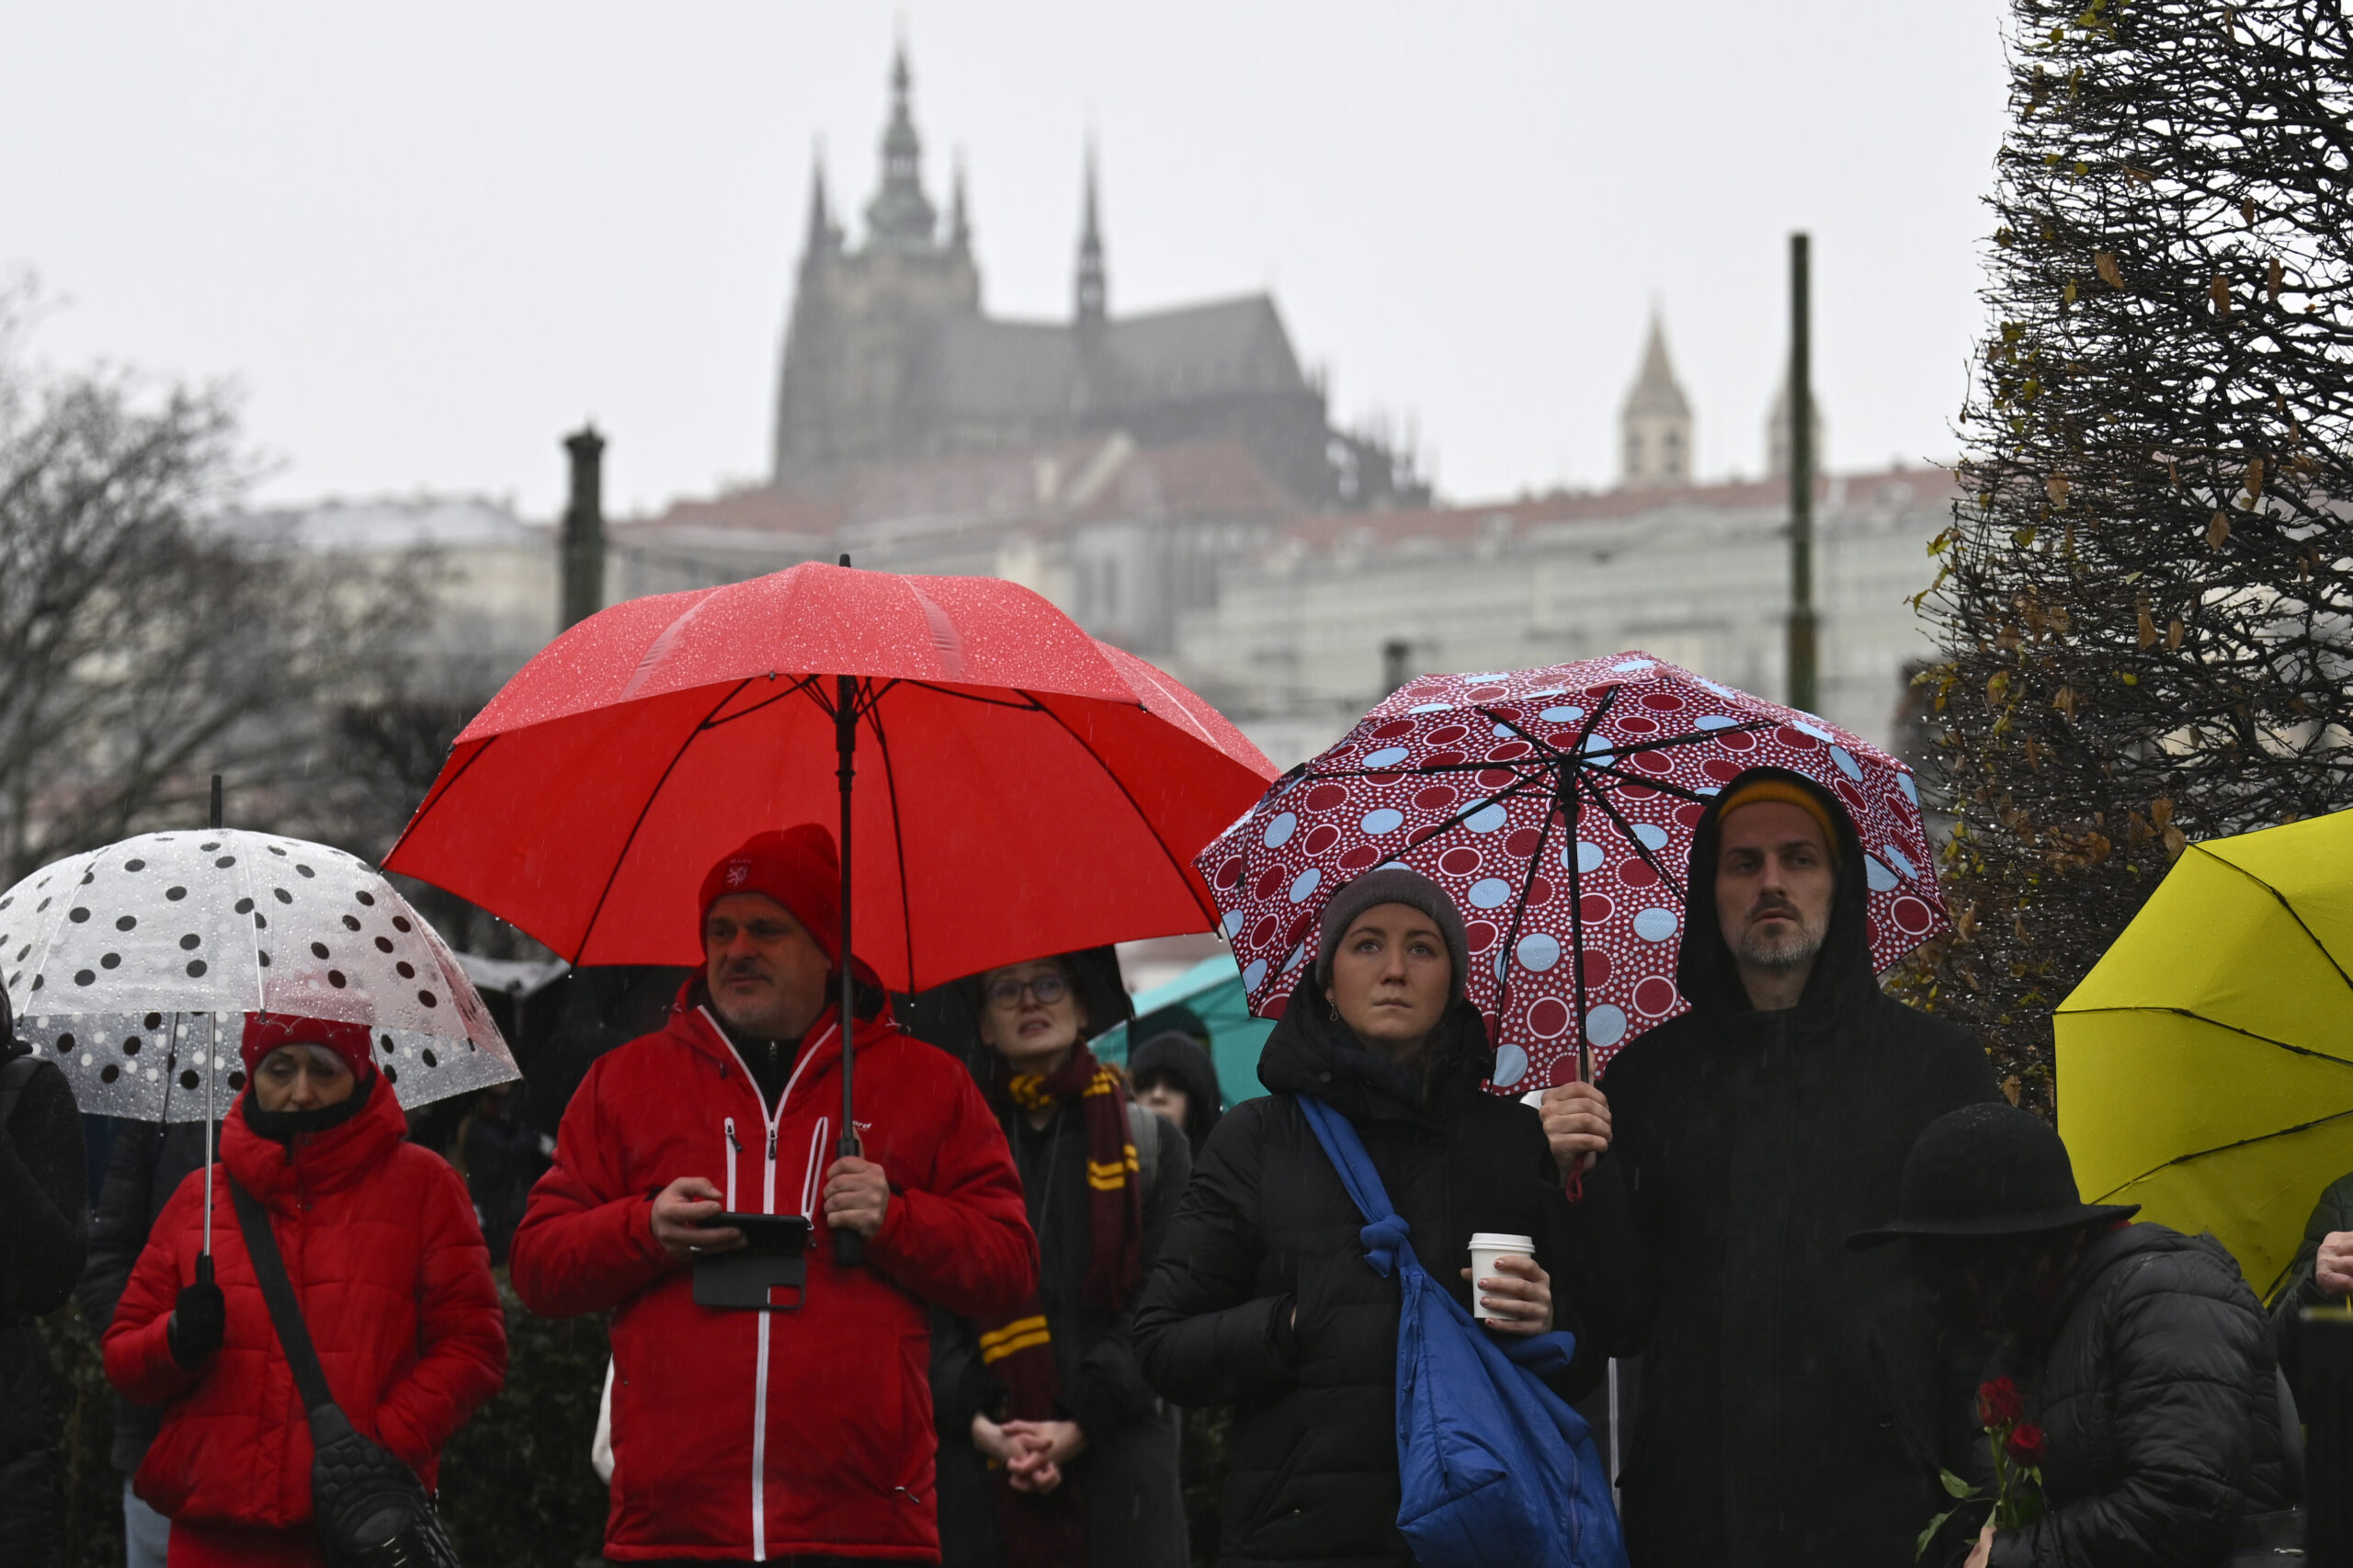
x=324 y=1161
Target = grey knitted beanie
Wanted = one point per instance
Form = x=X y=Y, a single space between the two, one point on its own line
x=1393 y=885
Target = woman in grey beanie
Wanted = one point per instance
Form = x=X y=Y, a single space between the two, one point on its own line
x=1263 y=1298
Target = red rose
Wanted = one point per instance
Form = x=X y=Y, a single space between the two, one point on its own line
x=2026 y=1446
x=1998 y=1401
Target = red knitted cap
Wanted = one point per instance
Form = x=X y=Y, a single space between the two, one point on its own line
x=798 y=869
x=265 y=1032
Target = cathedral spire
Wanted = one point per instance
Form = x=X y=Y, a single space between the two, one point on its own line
x=960 y=221
x=901 y=216
x=1094 y=292
x=820 y=221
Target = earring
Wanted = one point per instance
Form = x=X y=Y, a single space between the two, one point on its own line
x=1331 y=1010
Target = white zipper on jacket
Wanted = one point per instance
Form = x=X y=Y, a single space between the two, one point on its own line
x=767 y=1206
x=734 y=1147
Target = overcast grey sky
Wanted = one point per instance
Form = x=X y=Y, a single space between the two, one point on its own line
x=427 y=239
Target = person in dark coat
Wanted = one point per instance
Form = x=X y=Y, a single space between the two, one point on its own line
x=1264 y=1300
x=1053 y=1449
x=1785 y=1415
x=146 y=1166
x=2322 y=1274
x=44 y=1201
x=2143 y=1361
x=1175 y=1075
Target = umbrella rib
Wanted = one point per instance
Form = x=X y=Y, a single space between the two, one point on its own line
x=898 y=832
x=1028 y=705
x=2217 y=1023
x=2309 y=935
x=1640 y=849
x=1208 y=909
x=2222 y=1149
x=713 y=721
x=642 y=813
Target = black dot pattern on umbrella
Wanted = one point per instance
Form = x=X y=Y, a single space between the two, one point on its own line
x=364 y=896
x=155 y=1021
x=383 y=944
x=407 y=971
x=244 y=906
x=319 y=950
x=385 y=1041
x=400 y=923
x=283 y=896
x=351 y=922
x=188 y=1078
x=175 y=894
x=428 y=999
x=303 y=869
x=391 y=1074
x=78 y=915
x=196 y=968
x=208 y=848
x=281 y=853
x=86 y=977
x=39 y=981
x=134 y=865
x=110 y=960
x=335 y=978
x=237 y=1081
x=261 y=956
x=130 y=1044
x=190 y=942
x=430 y=1060
x=109 y=1073
x=126 y=923
x=66 y=1043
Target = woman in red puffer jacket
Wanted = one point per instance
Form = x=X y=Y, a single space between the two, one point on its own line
x=386 y=1260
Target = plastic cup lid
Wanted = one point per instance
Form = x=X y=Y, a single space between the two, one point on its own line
x=1497 y=1241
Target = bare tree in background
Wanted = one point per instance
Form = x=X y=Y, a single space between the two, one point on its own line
x=2146 y=603
x=142 y=648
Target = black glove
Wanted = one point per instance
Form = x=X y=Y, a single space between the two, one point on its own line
x=199 y=1317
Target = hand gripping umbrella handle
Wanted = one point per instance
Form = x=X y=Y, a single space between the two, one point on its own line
x=849 y=1247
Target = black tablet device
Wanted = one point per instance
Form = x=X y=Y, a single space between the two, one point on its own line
x=784 y=1235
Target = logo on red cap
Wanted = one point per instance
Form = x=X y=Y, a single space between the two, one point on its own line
x=738 y=872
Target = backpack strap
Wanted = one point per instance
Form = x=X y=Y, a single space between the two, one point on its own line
x=285 y=1312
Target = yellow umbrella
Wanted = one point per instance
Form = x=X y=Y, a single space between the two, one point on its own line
x=2206 y=1063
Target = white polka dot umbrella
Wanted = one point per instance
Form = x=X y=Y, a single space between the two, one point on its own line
x=1557 y=807
x=122 y=963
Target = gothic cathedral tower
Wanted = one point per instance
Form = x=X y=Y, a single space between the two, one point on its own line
x=861 y=317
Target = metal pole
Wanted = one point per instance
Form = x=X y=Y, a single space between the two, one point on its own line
x=849 y=1247
x=583 y=540
x=211 y=1062
x=1802 y=692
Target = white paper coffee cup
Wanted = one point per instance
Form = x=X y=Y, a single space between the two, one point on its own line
x=1485 y=1247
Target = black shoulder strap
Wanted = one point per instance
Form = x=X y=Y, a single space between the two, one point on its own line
x=293 y=1334
x=15 y=1076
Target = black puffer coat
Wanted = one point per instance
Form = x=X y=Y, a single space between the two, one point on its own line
x=1266 y=1227
x=1790 y=1415
x=43 y=1233
x=146 y=1166
x=2155 y=1398
x=2334 y=1212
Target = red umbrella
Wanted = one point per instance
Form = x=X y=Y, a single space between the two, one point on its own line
x=1557 y=807
x=1024 y=790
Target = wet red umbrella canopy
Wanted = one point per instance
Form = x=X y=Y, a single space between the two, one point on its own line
x=1004 y=786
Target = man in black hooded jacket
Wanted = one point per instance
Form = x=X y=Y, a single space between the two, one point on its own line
x=1788 y=1411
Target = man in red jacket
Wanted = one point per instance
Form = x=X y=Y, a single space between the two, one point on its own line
x=803 y=1436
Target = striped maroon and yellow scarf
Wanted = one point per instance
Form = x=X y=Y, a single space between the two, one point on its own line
x=1047 y=1532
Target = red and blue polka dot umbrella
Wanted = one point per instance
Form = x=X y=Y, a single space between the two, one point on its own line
x=1557 y=807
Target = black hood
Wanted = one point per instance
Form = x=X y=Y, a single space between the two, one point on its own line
x=1704 y=970
x=1181 y=1057
x=1312 y=1052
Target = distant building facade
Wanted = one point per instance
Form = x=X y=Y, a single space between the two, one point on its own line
x=1302 y=641
x=889 y=357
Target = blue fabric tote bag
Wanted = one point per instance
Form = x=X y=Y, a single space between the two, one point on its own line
x=1497 y=1470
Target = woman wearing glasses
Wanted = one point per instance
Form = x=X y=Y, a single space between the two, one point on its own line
x=1053 y=1450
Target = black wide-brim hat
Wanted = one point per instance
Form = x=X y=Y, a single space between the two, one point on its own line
x=1988 y=1171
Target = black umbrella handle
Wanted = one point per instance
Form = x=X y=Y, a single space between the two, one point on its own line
x=849 y=1247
